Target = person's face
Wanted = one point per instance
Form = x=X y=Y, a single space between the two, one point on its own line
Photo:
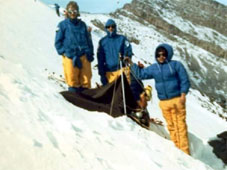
x=72 y=12
x=161 y=57
x=111 y=28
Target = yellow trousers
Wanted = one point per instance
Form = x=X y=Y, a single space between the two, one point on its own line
x=76 y=77
x=111 y=76
x=175 y=115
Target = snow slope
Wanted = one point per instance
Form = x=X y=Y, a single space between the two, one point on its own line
x=41 y=131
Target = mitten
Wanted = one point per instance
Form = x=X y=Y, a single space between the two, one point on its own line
x=90 y=57
x=77 y=62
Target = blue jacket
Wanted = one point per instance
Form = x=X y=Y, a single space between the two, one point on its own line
x=171 y=78
x=109 y=49
x=73 y=40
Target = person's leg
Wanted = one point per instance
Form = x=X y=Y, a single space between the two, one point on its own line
x=85 y=73
x=64 y=69
x=182 y=127
x=166 y=108
x=111 y=76
x=176 y=129
x=71 y=73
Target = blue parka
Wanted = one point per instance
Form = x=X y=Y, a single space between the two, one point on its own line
x=73 y=40
x=170 y=77
x=109 y=49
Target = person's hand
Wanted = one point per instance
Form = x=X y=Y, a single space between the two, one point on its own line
x=90 y=57
x=183 y=98
x=103 y=80
x=89 y=29
x=77 y=62
x=127 y=60
x=140 y=65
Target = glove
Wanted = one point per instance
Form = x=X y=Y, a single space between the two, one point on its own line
x=77 y=62
x=103 y=80
x=90 y=57
x=127 y=60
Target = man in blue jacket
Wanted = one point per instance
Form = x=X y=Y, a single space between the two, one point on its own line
x=111 y=48
x=172 y=85
x=73 y=42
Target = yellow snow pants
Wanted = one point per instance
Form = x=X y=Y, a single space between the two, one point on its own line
x=111 y=76
x=75 y=77
x=175 y=115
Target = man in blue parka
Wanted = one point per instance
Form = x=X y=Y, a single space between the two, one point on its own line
x=111 y=48
x=172 y=85
x=73 y=42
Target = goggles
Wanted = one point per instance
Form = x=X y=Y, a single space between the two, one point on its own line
x=161 y=54
x=70 y=12
x=112 y=26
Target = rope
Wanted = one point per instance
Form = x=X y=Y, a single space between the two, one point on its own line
x=112 y=101
x=141 y=84
x=123 y=88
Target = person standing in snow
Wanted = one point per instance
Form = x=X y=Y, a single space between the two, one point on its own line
x=74 y=43
x=112 y=48
x=57 y=7
x=172 y=85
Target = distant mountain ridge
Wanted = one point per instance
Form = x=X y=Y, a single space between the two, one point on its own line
x=204 y=13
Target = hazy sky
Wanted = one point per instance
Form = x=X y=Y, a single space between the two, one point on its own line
x=93 y=6
x=99 y=6
x=222 y=1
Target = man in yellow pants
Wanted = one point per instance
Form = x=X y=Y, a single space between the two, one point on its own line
x=73 y=42
x=172 y=85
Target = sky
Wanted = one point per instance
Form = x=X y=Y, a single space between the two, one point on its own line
x=222 y=1
x=41 y=131
x=93 y=6
x=99 y=6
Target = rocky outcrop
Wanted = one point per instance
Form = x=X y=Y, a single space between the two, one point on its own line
x=191 y=12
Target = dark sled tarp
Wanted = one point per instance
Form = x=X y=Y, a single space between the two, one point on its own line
x=101 y=99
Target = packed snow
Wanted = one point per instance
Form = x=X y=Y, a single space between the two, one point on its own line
x=41 y=131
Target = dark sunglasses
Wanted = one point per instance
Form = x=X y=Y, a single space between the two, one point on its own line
x=161 y=54
x=113 y=26
x=72 y=12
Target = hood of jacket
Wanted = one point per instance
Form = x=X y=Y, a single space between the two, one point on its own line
x=108 y=23
x=169 y=50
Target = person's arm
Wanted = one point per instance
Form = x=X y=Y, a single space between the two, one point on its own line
x=90 y=52
x=139 y=70
x=59 y=38
x=101 y=64
x=127 y=48
x=142 y=73
x=101 y=59
x=184 y=81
